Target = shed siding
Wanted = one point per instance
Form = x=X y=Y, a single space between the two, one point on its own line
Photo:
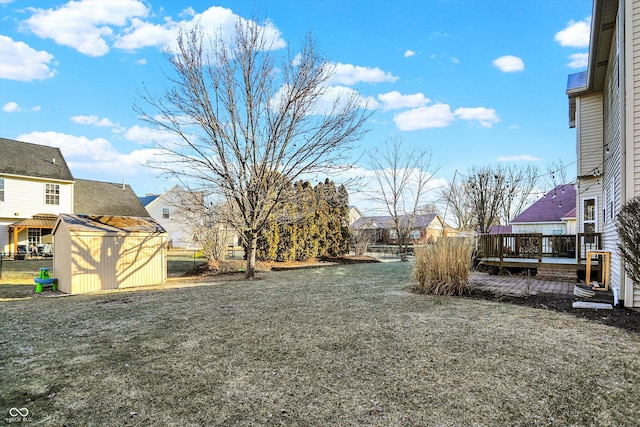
x=90 y=260
x=590 y=133
x=62 y=259
x=101 y=262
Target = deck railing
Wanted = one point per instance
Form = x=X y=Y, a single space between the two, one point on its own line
x=537 y=245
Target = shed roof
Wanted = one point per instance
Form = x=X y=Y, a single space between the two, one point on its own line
x=33 y=160
x=552 y=207
x=106 y=198
x=110 y=223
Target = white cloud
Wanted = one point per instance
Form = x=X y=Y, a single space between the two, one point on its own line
x=142 y=34
x=18 y=61
x=518 y=158
x=11 y=107
x=455 y=60
x=394 y=100
x=434 y=116
x=141 y=61
x=509 y=64
x=215 y=22
x=333 y=93
x=409 y=53
x=348 y=74
x=579 y=60
x=486 y=117
x=92 y=120
x=147 y=135
x=94 y=155
x=85 y=25
x=576 y=34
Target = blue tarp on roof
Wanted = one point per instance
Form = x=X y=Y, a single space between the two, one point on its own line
x=145 y=200
x=577 y=81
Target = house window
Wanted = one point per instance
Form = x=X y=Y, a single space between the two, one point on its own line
x=34 y=235
x=52 y=194
x=1 y=189
x=589 y=219
x=393 y=234
x=165 y=212
x=414 y=235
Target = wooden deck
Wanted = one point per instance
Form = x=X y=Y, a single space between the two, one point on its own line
x=544 y=262
x=534 y=250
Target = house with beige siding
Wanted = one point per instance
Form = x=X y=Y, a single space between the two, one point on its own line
x=35 y=186
x=604 y=108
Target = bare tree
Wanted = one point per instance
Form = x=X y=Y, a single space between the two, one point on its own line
x=519 y=184
x=363 y=233
x=498 y=194
x=247 y=124
x=557 y=173
x=458 y=204
x=402 y=176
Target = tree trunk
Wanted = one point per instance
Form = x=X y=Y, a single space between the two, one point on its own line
x=403 y=250
x=252 y=240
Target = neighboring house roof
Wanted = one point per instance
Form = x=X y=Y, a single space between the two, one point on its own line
x=571 y=214
x=386 y=222
x=33 y=160
x=145 y=200
x=110 y=223
x=106 y=198
x=500 y=229
x=552 y=207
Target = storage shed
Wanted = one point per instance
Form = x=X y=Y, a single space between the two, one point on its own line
x=98 y=252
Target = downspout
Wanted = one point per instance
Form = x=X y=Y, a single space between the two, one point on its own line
x=626 y=291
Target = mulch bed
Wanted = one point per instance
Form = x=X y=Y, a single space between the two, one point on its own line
x=618 y=317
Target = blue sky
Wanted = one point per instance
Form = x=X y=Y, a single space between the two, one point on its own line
x=477 y=82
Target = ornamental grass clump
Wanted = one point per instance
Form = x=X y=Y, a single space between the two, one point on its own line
x=443 y=268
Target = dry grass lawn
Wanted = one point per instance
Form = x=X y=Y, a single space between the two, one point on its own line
x=344 y=345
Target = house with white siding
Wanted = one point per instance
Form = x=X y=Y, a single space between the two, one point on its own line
x=35 y=186
x=604 y=108
x=176 y=211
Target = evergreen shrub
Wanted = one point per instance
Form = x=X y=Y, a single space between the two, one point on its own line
x=628 y=228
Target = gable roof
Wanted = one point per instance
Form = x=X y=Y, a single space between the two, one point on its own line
x=106 y=198
x=552 y=207
x=32 y=160
x=109 y=223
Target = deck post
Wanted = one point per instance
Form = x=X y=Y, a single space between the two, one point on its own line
x=501 y=249
x=539 y=247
